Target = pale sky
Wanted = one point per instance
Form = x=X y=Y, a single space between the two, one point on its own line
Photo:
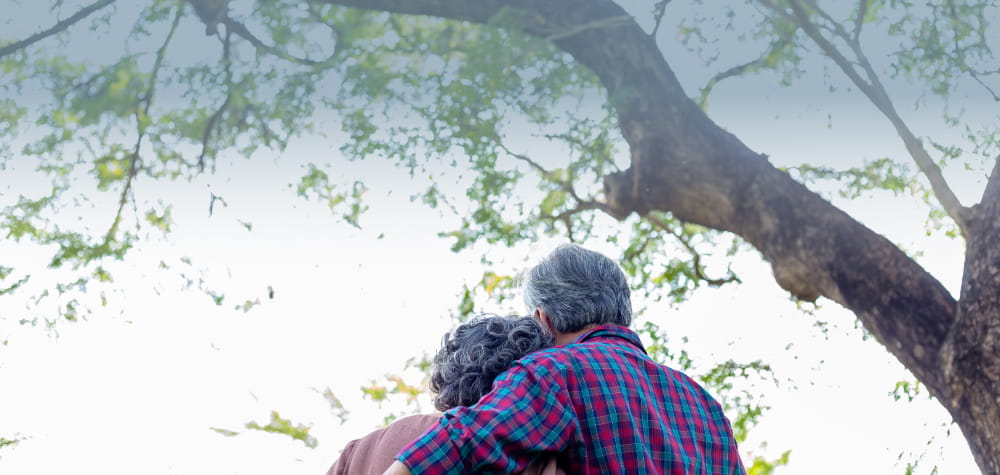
x=138 y=385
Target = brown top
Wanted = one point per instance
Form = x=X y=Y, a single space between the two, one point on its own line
x=375 y=452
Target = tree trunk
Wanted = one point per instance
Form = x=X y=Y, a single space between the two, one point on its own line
x=683 y=163
x=970 y=357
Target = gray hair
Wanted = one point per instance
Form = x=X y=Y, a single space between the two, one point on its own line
x=576 y=287
x=473 y=355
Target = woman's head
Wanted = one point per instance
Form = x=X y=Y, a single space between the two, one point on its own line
x=476 y=352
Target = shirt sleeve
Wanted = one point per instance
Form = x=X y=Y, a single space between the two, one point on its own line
x=343 y=462
x=526 y=413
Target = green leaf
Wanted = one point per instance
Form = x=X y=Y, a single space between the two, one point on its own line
x=280 y=425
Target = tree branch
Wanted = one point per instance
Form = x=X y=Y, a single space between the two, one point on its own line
x=243 y=32
x=859 y=19
x=659 y=9
x=142 y=120
x=958 y=58
x=574 y=141
x=975 y=77
x=699 y=270
x=58 y=27
x=873 y=89
x=684 y=163
x=213 y=121
x=566 y=185
x=992 y=192
x=338 y=32
x=739 y=70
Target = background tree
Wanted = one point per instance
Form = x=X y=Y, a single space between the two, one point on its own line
x=467 y=75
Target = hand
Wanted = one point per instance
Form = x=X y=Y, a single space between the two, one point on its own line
x=397 y=468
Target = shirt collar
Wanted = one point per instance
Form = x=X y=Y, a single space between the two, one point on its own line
x=610 y=330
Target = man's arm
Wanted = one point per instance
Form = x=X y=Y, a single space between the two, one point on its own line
x=526 y=413
x=397 y=468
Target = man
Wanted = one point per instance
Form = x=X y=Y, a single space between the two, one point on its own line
x=596 y=401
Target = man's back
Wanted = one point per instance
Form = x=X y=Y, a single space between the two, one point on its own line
x=600 y=404
x=637 y=416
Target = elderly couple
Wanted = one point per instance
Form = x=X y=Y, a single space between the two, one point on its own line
x=569 y=389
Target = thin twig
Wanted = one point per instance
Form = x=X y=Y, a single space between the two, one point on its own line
x=835 y=26
x=859 y=19
x=580 y=207
x=243 y=32
x=659 y=9
x=524 y=158
x=213 y=121
x=141 y=116
x=629 y=254
x=565 y=185
x=579 y=143
x=959 y=58
x=583 y=204
x=338 y=32
x=58 y=27
x=699 y=271
x=975 y=77
x=740 y=70
x=876 y=92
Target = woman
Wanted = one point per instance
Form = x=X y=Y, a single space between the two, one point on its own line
x=470 y=358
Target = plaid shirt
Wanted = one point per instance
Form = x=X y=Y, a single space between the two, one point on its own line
x=600 y=403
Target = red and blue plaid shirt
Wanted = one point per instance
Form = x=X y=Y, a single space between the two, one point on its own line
x=600 y=404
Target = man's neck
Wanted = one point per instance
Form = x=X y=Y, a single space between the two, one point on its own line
x=567 y=338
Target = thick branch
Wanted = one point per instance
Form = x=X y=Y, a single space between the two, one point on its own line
x=684 y=163
x=58 y=27
x=992 y=193
x=969 y=357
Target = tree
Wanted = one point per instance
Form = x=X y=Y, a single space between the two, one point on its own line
x=459 y=70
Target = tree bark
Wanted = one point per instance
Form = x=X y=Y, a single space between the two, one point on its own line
x=971 y=354
x=684 y=163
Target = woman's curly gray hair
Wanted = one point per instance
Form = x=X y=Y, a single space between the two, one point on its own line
x=476 y=352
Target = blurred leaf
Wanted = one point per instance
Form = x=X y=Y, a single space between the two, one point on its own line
x=280 y=425
x=224 y=432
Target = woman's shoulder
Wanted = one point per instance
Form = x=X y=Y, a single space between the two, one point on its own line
x=374 y=452
x=413 y=422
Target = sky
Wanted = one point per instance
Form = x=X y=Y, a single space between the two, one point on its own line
x=140 y=384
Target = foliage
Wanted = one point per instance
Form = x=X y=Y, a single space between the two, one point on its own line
x=8 y=443
x=280 y=425
x=337 y=407
x=731 y=382
x=401 y=397
x=161 y=113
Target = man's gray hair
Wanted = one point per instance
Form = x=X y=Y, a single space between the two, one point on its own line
x=576 y=287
